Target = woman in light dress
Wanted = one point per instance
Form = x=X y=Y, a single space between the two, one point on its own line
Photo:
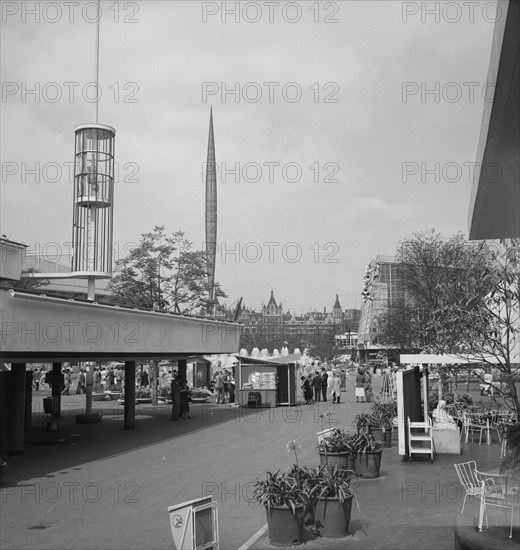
x=360 y=385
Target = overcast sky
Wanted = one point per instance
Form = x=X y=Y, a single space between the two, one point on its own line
x=341 y=128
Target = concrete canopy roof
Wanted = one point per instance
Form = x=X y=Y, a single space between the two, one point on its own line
x=495 y=198
x=36 y=327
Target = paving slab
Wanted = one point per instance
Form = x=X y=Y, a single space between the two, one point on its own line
x=96 y=486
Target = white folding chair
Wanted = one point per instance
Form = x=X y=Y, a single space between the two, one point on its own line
x=324 y=433
x=468 y=479
x=475 y=423
x=495 y=491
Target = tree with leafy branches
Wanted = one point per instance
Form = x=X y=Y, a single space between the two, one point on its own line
x=397 y=327
x=467 y=301
x=488 y=327
x=435 y=271
x=29 y=283
x=163 y=273
x=323 y=344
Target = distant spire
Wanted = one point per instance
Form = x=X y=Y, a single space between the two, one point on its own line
x=272 y=301
x=211 y=208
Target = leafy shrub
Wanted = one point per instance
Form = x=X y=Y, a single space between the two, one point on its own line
x=337 y=442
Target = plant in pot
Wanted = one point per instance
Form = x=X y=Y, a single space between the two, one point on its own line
x=164 y=393
x=114 y=391
x=200 y=395
x=367 y=453
x=143 y=395
x=363 y=422
x=286 y=499
x=382 y=417
x=331 y=495
x=335 y=448
x=97 y=393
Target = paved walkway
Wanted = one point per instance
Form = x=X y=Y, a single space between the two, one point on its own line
x=99 y=487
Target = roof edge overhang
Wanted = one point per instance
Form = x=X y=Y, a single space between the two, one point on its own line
x=494 y=211
x=36 y=327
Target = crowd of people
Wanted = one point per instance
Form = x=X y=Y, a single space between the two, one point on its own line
x=223 y=386
x=320 y=384
x=316 y=385
x=103 y=378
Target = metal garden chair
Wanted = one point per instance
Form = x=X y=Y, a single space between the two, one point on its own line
x=498 y=491
x=468 y=479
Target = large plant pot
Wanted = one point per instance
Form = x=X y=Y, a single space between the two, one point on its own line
x=384 y=436
x=284 y=528
x=114 y=394
x=332 y=459
x=367 y=465
x=377 y=433
x=99 y=396
x=333 y=517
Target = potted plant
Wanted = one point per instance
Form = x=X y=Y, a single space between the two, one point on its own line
x=143 y=395
x=331 y=495
x=97 y=393
x=286 y=498
x=114 y=391
x=363 y=422
x=366 y=452
x=286 y=503
x=335 y=448
x=200 y=395
x=382 y=417
x=164 y=393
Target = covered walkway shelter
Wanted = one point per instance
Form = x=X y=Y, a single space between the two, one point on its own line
x=50 y=329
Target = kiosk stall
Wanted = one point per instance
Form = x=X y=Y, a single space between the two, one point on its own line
x=265 y=383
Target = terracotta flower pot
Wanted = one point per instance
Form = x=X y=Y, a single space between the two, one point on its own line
x=99 y=396
x=367 y=465
x=331 y=459
x=114 y=394
x=333 y=517
x=384 y=436
x=377 y=433
x=284 y=528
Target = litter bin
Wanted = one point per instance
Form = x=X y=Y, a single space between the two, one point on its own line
x=47 y=405
x=51 y=405
x=254 y=400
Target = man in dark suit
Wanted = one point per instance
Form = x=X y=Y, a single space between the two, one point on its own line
x=324 y=380
x=316 y=384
